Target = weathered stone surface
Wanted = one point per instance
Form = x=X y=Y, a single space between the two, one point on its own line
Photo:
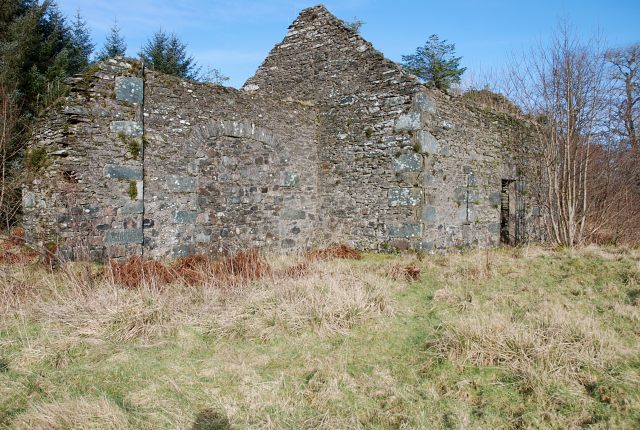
x=429 y=215
x=495 y=198
x=181 y=184
x=405 y=230
x=407 y=163
x=290 y=179
x=428 y=143
x=426 y=246
x=128 y=128
x=123 y=236
x=123 y=172
x=185 y=217
x=129 y=89
x=28 y=200
x=133 y=208
x=425 y=103
x=405 y=196
x=408 y=122
x=287 y=213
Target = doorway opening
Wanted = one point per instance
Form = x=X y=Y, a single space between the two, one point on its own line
x=508 y=201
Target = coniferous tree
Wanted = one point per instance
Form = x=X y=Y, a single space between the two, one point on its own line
x=115 y=44
x=36 y=52
x=435 y=63
x=168 y=54
x=82 y=46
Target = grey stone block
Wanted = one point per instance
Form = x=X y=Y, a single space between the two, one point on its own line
x=407 y=163
x=203 y=238
x=429 y=215
x=128 y=128
x=428 y=144
x=460 y=195
x=424 y=103
x=494 y=228
x=75 y=110
x=133 y=208
x=185 y=217
x=404 y=196
x=291 y=214
x=181 y=184
x=495 y=198
x=404 y=230
x=289 y=179
x=28 y=200
x=129 y=89
x=123 y=236
x=181 y=251
x=115 y=171
x=428 y=179
x=426 y=246
x=408 y=122
x=394 y=101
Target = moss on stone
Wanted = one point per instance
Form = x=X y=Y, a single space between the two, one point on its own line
x=133 y=190
x=134 y=148
x=37 y=159
x=368 y=132
x=88 y=74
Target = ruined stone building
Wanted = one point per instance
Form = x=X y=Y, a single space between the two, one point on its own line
x=328 y=142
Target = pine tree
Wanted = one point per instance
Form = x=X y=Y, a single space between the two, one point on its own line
x=115 y=44
x=168 y=54
x=435 y=63
x=82 y=47
x=36 y=53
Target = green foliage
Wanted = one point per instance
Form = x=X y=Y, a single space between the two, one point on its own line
x=37 y=50
x=355 y=24
x=132 y=144
x=81 y=44
x=114 y=46
x=368 y=132
x=133 y=190
x=37 y=159
x=168 y=54
x=134 y=148
x=214 y=76
x=435 y=63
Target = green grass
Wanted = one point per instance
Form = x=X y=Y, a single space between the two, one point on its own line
x=509 y=338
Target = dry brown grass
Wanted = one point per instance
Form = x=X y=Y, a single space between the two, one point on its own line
x=83 y=413
x=335 y=251
x=506 y=338
x=548 y=342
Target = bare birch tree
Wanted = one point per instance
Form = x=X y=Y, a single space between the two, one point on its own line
x=625 y=75
x=563 y=84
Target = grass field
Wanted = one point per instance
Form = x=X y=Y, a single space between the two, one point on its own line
x=505 y=338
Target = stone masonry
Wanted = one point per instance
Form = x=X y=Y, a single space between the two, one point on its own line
x=328 y=142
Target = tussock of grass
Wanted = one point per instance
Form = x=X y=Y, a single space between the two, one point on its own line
x=545 y=343
x=505 y=338
x=83 y=413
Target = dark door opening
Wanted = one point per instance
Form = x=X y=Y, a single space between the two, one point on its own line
x=508 y=206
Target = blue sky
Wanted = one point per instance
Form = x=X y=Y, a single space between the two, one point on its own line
x=236 y=36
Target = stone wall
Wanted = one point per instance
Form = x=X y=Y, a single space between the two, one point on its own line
x=226 y=170
x=86 y=192
x=328 y=142
x=399 y=164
